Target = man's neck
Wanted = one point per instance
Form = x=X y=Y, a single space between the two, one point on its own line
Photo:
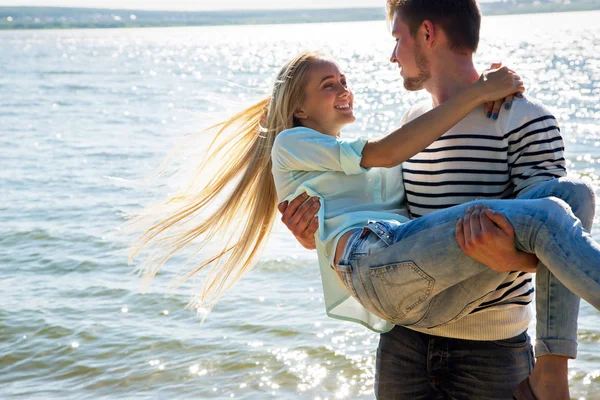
x=450 y=76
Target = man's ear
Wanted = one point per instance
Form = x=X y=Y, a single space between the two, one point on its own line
x=428 y=33
x=300 y=113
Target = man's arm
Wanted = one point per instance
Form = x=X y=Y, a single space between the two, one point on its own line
x=535 y=155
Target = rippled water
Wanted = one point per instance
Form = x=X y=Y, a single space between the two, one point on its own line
x=84 y=112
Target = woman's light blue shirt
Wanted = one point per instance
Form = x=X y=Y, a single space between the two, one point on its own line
x=305 y=160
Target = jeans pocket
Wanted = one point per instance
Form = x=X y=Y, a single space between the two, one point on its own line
x=400 y=288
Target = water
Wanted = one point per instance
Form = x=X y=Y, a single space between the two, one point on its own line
x=84 y=112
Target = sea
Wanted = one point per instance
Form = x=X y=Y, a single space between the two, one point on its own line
x=87 y=117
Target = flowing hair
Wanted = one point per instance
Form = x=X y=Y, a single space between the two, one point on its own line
x=241 y=149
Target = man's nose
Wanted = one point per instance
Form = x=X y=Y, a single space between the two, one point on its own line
x=393 y=58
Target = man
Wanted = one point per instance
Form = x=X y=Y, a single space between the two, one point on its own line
x=487 y=353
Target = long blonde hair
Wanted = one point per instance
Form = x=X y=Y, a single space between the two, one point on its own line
x=242 y=150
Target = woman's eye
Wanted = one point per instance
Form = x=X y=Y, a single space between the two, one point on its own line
x=328 y=85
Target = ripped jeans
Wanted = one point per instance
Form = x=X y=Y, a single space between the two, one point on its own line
x=415 y=274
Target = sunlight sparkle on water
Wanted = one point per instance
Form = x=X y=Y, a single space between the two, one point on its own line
x=167 y=80
x=591 y=377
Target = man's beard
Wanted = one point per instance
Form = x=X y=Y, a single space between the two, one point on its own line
x=418 y=82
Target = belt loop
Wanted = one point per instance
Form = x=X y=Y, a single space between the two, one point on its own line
x=380 y=230
x=344 y=268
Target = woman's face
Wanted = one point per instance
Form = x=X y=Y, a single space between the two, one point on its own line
x=328 y=103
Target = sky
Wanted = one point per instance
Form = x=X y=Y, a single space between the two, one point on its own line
x=198 y=4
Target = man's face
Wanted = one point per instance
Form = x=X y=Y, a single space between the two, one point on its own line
x=408 y=54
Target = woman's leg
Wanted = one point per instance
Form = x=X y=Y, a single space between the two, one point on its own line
x=419 y=278
x=557 y=308
x=567 y=249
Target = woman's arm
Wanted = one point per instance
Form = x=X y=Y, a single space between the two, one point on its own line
x=413 y=137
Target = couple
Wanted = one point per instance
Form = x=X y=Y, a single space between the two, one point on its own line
x=487 y=353
x=467 y=337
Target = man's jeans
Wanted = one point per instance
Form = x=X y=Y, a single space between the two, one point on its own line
x=416 y=366
x=444 y=285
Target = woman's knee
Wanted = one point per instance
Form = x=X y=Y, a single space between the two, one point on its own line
x=582 y=190
x=555 y=208
x=583 y=200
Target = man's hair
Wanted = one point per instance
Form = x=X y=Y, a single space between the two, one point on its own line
x=460 y=19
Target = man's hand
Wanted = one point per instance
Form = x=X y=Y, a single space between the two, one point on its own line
x=299 y=216
x=488 y=237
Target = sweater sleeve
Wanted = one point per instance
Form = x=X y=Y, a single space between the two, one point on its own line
x=535 y=146
x=303 y=149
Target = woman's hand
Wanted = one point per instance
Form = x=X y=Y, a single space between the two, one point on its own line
x=499 y=84
x=488 y=237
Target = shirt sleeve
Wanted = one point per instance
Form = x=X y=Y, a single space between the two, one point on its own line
x=535 y=147
x=303 y=149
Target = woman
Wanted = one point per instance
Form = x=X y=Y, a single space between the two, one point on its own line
x=288 y=144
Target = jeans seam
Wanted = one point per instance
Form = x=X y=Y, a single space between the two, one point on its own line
x=556 y=244
x=532 y=219
x=548 y=297
x=354 y=246
x=347 y=253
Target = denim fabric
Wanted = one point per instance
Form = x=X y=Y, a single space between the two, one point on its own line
x=412 y=255
x=557 y=308
x=422 y=278
x=360 y=243
x=416 y=366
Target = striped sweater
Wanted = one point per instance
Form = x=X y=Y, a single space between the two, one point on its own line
x=482 y=159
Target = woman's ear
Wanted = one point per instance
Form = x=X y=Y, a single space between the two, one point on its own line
x=300 y=113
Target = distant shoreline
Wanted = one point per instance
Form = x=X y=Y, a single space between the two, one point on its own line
x=25 y=18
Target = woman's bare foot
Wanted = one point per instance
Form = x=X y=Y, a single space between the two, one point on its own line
x=549 y=379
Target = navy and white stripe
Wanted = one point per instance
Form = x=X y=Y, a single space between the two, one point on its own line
x=483 y=159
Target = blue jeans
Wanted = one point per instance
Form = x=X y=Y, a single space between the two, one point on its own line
x=557 y=308
x=416 y=366
x=415 y=273
x=418 y=275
